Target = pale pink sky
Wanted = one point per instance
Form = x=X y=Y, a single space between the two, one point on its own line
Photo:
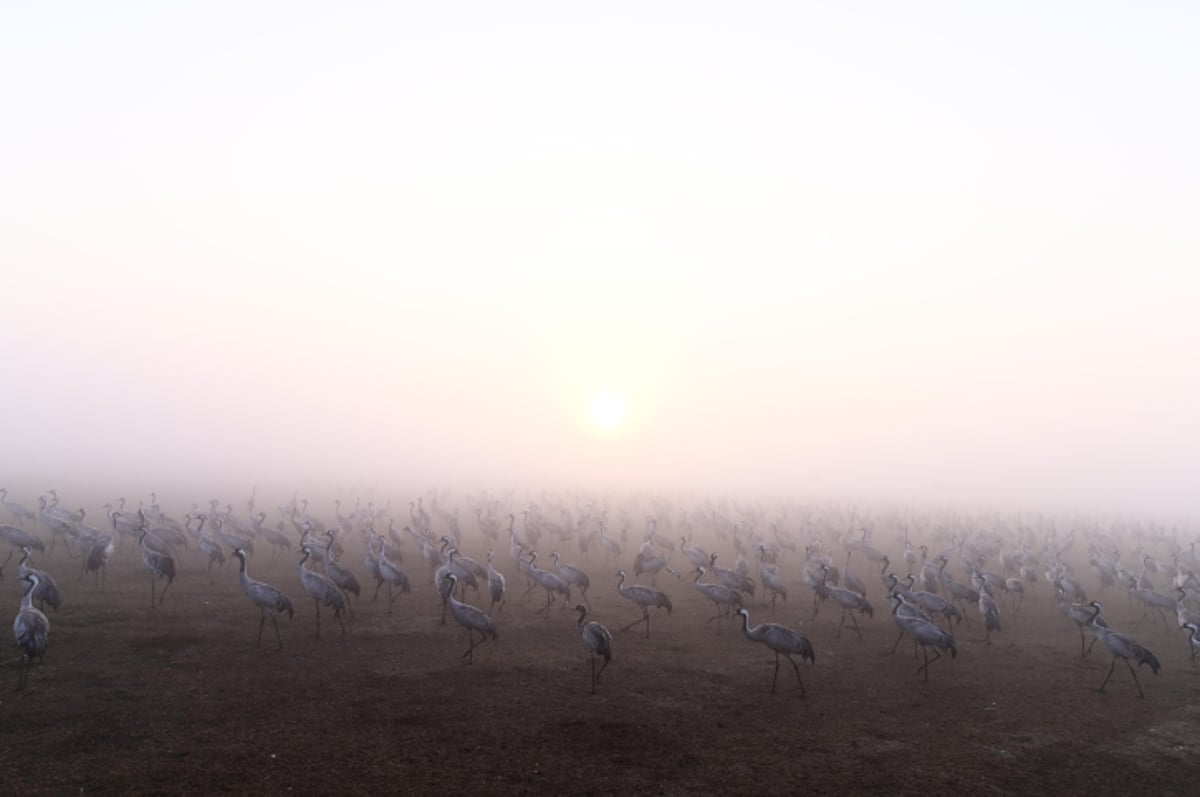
x=935 y=252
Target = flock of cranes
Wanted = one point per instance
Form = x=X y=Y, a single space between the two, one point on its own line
x=927 y=603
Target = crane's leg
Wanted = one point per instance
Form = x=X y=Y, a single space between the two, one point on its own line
x=775 y=677
x=1110 y=672
x=898 y=638
x=647 y=611
x=796 y=667
x=262 y=620
x=645 y=618
x=1164 y=619
x=278 y=638
x=163 y=595
x=153 y=591
x=317 y=604
x=593 y=660
x=379 y=584
x=1093 y=643
x=337 y=613
x=842 y=623
x=936 y=655
x=855 y=621
x=1133 y=672
x=470 y=645
x=1082 y=642
x=601 y=670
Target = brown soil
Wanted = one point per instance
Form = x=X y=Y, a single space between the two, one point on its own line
x=179 y=699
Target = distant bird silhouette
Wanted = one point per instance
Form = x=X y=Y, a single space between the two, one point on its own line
x=780 y=639
x=265 y=597
x=598 y=640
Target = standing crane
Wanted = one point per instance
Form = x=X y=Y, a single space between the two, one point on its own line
x=20 y=513
x=159 y=564
x=31 y=629
x=598 y=640
x=390 y=573
x=573 y=576
x=322 y=590
x=470 y=618
x=265 y=597
x=1122 y=647
x=719 y=594
x=495 y=584
x=47 y=590
x=780 y=639
x=644 y=597
x=925 y=633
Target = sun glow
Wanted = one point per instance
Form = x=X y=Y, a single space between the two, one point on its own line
x=608 y=409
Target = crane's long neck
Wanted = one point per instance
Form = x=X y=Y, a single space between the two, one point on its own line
x=242 y=559
x=582 y=614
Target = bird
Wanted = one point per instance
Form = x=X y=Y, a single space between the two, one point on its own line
x=935 y=604
x=1193 y=639
x=780 y=639
x=471 y=618
x=573 y=576
x=31 y=629
x=598 y=640
x=20 y=513
x=850 y=580
x=1084 y=615
x=989 y=609
x=697 y=556
x=769 y=575
x=1122 y=647
x=925 y=633
x=96 y=558
x=731 y=578
x=643 y=596
x=719 y=594
x=551 y=582
x=159 y=564
x=47 y=591
x=495 y=585
x=265 y=597
x=18 y=538
x=322 y=590
x=390 y=573
x=850 y=602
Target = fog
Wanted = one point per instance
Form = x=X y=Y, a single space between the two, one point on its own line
x=942 y=255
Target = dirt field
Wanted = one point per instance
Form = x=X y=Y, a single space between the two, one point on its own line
x=178 y=699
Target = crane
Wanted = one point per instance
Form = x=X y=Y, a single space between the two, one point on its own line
x=598 y=640
x=644 y=597
x=31 y=628
x=471 y=618
x=265 y=597
x=780 y=639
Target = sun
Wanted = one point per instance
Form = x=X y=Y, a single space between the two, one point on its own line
x=608 y=409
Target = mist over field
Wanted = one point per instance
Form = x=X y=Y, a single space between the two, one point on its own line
x=877 y=321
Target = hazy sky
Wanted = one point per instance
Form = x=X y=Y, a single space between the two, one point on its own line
x=944 y=251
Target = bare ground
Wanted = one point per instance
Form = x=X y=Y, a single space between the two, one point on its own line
x=179 y=699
